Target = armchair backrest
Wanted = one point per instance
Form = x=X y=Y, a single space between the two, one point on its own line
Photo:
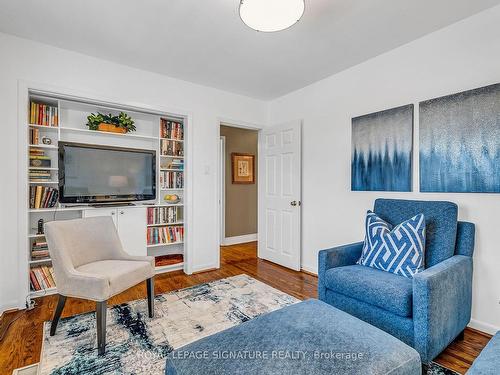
x=466 y=235
x=73 y=243
x=440 y=224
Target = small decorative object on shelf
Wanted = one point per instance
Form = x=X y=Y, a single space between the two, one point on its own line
x=122 y=123
x=40 y=227
x=46 y=140
x=171 y=198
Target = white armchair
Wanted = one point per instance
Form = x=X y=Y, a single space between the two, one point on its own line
x=89 y=262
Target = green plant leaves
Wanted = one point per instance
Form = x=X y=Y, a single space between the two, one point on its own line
x=122 y=120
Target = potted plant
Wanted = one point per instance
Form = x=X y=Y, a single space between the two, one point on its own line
x=122 y=123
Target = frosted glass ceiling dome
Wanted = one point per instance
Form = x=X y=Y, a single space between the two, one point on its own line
x=271 y=15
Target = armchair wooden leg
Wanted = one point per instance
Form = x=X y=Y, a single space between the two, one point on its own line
x=101 y=326
x=57 y=314
x=150 y=285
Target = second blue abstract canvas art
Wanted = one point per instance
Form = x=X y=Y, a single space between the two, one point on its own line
x=460 y=142
x=381 y=158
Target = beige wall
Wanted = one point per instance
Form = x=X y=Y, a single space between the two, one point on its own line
x=241 y=200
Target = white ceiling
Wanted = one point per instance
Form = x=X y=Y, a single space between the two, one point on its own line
x=204 y=41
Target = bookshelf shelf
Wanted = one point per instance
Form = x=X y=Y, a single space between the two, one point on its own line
x=44 y=127
x=43 y=182
x=40 y=261
x=43 y=292
x=174 y=140
x=166 y=244
x=43 y=169
x=171 y=170
x=35 y=235
x=166 y=224
x=98 y=132
x=169 y=268
x=53 y=209
x=43 y=146
x=172 y=156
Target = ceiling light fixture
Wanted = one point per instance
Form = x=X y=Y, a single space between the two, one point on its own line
x=271 y=15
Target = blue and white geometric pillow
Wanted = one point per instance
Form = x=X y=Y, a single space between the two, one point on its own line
x=400 y=250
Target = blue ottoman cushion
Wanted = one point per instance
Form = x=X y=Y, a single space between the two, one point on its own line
x=386 y=290
x=488 y=362
x=310 y=337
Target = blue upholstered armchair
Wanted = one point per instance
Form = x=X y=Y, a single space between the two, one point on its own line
x=427 y=312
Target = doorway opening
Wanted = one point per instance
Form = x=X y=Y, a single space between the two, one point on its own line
x=238 y=186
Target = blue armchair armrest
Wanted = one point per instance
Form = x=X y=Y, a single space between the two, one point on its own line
x=442 y=300
x=344 y=255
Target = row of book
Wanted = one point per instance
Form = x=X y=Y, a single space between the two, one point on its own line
x=39 y=250
x=43 y=114
x=165 y=235
x=171 y=129
x=34 y=136
x=174 y=164
x=43 y=196
x=39 y=175
x=38 y=158
x=42 y=277
x=171 y=148
x=171 y=180
x=164 y=215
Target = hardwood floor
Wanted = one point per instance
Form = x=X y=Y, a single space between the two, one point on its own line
x=22 y=343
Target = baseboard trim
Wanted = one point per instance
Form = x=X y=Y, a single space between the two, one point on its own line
x=239 y=239
x=483 y=327
x=309 y=270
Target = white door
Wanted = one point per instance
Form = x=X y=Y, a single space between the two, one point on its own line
x=132 y=229
x=280 y=194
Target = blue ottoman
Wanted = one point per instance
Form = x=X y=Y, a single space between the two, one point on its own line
x=488 y=362
x=310 y=337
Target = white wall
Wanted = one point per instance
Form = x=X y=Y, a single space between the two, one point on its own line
x=26 y=60
x=463 y=56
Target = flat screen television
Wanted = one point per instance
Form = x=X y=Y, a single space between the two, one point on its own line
x=104 y=174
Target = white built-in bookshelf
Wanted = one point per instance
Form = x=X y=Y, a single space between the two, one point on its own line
x=155 y=228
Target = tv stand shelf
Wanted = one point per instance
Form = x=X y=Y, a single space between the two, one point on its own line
x=155 y=131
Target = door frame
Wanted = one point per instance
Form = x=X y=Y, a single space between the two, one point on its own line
x=222 y=188
x=221 y=171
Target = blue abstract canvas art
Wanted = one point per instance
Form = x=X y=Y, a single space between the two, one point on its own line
x=460 y=142
x=381 y=155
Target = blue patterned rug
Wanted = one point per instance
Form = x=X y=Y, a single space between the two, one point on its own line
x=138 y=345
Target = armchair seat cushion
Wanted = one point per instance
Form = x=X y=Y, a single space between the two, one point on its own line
x=378 y=288
x=118 y=276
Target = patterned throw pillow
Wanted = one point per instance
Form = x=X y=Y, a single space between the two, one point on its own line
x=399 y=250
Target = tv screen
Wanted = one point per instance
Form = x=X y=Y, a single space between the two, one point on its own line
x=90 y=173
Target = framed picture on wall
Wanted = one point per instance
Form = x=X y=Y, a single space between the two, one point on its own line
x=243 y=167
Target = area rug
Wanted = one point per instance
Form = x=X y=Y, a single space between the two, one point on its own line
x=138 y=345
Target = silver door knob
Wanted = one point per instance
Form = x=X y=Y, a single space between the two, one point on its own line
x=293 y=203
x=122 y=212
